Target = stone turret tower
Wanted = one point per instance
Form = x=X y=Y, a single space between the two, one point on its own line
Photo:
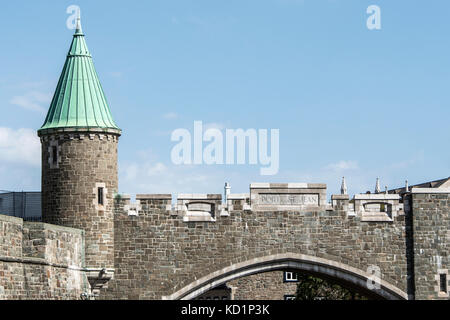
x=79 y=159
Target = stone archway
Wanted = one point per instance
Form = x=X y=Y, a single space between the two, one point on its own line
x=325 y=267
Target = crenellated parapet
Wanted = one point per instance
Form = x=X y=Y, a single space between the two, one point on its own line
x=199 y=207
x=378 y=207
x=264 y=197
x=237 y=201
x=340 y=203
x=80 y=134
x=144 y=203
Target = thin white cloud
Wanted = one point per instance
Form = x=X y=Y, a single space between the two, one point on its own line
x=21 y=146
x=170 y=115
x=156 y=170
x=131 y=171
x=415 y=159
x=343 y=165
x=158 y=177
x=34 y=101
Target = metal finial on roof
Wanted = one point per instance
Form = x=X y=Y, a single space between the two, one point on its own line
x=343 y=186
x=406 y=186
x=78 y=29
x=227 y=189
x=377 y=186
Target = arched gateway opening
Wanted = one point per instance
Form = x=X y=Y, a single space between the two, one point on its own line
x=338 y=272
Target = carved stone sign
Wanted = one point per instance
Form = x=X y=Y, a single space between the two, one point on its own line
x=288 y=199
x=287 y=196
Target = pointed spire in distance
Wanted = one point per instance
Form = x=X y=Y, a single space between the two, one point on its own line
x=343 y=186
x=377 y=186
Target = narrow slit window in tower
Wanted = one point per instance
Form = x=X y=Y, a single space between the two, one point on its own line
x=443 y=282
x=100 y=195
x=54 y=154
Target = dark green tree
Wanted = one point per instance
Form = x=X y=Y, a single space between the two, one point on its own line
x=313 y=288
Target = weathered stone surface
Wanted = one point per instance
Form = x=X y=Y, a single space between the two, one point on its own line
x=68 y=197
x=263 y=286
x=156 y=254
x=40 y=261
x=431 y=225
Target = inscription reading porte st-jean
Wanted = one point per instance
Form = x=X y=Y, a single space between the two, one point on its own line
x=289 y=199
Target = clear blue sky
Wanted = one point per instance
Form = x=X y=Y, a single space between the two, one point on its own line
x=347 y=101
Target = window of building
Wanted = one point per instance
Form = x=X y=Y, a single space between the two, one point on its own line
x=54 y=157
x=443 y=282
x=289 y=297
x=441 y=286
x=54 y=154
x=100 y=199
x=100 y=196
x=290 y=276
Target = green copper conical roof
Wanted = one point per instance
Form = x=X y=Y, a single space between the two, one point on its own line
x=79 y=103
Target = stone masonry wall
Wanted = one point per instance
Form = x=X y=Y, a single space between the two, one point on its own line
x=69 y=189
x=157 y=254
x=262 y=286
x=40 y=261
x=431 y=216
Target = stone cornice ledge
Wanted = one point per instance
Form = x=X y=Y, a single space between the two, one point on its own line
x=42 y=132
x=39 y=261
x=430 y=190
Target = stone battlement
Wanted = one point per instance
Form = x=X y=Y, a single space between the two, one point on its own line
x=278 y=197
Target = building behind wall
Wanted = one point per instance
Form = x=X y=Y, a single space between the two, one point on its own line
x=25 y=205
